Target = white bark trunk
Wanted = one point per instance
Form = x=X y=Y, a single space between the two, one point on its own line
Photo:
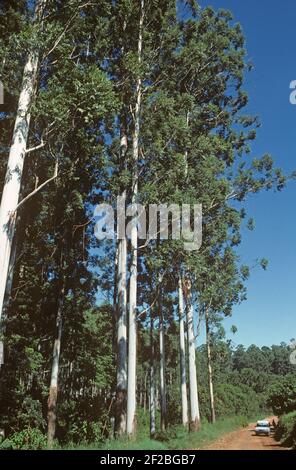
x=120 y=424
x=12 y=184
x=193 y=392
x=53 y=389
x=132 y=343
x=182 y=356
x=145 y=391
x=163 y=404
x=152 y=406
x=121 y=388
x=210 y=374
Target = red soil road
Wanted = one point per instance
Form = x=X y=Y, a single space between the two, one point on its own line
x=245 y=439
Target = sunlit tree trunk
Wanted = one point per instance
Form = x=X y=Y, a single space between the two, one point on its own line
x=132 y=338
x=115 y=302
x=121 y=389
x=193 y=392
x=162 y=383
x=145 y=392
x=209 y=359
x=53 y=389
x=152 y=405
x=13 y=178
x=182 y=356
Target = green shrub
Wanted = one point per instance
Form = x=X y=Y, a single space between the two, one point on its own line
x=165 y=436
x=286 y=429
x=28 y=439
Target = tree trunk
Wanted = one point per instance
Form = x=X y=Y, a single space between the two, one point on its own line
x=209 y=358
x=157 y=407
x=12 y=184
x=145 y=392
x=152 y=382
x=163 y=403
x=193 y=392
x=53 y=389
x=182 y=356
x=132 y=338
x=141 y=393
x=121 y=389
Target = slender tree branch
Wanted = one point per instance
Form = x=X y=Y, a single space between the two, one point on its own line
x=37 y=147
x=66 y=29
x=38 y=188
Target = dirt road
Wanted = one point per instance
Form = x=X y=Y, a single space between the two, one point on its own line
x=245 y=439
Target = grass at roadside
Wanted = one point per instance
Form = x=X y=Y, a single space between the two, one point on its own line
x=177 y=438
x=207 y=434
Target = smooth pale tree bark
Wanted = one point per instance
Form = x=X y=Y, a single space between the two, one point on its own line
x=120 y=418
x=115 y=303
x=157 y=398
x=194 y=423
x=141 y=392
x=121 y=389
x=183 y=385
x=145 y=392
x=12 y=183
x=162 y=383
x=152 y=405
x=121 y=378
x=132 y=336
x=53 y=389
x=209 y=360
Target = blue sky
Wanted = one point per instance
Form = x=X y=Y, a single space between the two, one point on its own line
x=268 y=316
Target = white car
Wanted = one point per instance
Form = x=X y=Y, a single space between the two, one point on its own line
x=262 y=428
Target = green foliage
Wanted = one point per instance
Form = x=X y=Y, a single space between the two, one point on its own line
x=286 y=429
x=27 y=439
x=242 y=376
x=194 y=148
x=282 y=395
x=236 y=399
